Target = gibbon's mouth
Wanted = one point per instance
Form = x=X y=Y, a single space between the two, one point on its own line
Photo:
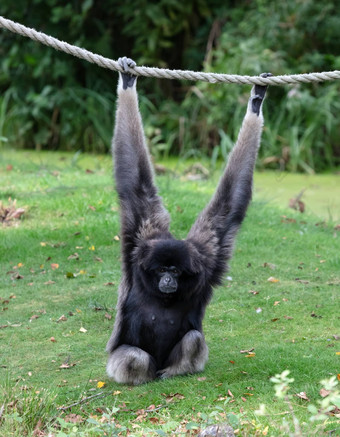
x=167 y=289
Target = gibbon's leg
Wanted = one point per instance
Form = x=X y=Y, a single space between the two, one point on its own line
x=141 y=207
x=131 y=365
x=215 y=229
x=188 y=356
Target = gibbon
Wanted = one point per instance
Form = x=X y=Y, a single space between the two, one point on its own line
x=167 y=283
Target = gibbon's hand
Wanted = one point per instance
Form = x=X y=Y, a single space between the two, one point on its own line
x=257 y=95
x=128 y=79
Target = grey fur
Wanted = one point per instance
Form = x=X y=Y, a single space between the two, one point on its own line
x=145 y=223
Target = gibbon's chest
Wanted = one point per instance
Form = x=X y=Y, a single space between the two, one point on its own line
x=162 y=329
x=154 y=327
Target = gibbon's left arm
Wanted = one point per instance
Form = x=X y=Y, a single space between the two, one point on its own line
x=142 y=211
x=215 y=229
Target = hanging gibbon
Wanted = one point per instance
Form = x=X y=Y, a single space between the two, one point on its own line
x=167 y=283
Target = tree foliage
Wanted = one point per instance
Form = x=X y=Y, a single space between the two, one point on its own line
x=51 y=100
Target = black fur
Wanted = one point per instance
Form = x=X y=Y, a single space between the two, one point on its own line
x=158 y=329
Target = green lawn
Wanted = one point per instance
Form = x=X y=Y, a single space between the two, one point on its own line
x=60 y=269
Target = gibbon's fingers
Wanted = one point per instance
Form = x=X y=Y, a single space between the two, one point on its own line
x=128 y=79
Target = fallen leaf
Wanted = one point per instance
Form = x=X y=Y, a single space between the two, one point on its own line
x=96 y=258
x=276 y=319
x=54 y=266
x=74 y=418
x=258 y=310
x=296 y=202
x=270 y=265
x=288 y=317
x=62 y=318
x=53 y=340
x=272 y=279
x=247 y=351
x=302 y=281
x=277 y=302
x=116 y=238
x=10 y=212
x=254 y=292
x=70 y=275
x=49 y=282
x=101 y=384
x=34 y=317
x=67 y=365
x=16 y=276
x=324 y=392
x=230 y=393
x=109 y=284
x=92 y=247
x=74 y=256
x=92 y=208
x=108 y=316
x=201 y=378
x=82 y=330
x=286 y=219
x=171 y=397
x=252 y=355
x=302 y=395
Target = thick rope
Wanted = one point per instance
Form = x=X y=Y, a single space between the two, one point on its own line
x=164 y=73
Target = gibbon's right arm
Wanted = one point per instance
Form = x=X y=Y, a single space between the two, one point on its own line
x=215 y=229
x=142 y=212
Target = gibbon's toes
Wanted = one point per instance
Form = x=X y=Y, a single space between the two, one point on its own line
x=162 y=374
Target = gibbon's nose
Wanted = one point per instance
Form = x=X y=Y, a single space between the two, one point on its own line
x=167 y=279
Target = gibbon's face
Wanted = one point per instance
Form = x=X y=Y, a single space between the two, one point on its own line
x=166 y=267
x=167 y=278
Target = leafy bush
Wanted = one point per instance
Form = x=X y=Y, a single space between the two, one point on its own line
x=53 y=101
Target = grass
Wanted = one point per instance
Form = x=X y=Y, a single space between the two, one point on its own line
x=49 y=361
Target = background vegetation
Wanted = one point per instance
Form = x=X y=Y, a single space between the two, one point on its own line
x=50 y=100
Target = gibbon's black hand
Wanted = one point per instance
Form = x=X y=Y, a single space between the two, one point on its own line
x=259 y=93
x=128 y=78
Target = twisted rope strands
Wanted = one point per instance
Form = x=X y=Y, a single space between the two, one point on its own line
x=164 y=73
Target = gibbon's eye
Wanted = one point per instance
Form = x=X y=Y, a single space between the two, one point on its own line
x=161 y=269
x=175 y=271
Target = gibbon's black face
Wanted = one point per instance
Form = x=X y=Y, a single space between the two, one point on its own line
x=166 y=266
x=167 y=279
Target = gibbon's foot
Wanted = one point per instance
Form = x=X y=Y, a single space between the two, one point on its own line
x=259 y=93
x=188 y=356
x=131 y=365
x=128 y=78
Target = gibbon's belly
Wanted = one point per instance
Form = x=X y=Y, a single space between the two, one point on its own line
x=159 y=330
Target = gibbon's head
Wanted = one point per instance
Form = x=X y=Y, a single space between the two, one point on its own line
x=166 y=268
